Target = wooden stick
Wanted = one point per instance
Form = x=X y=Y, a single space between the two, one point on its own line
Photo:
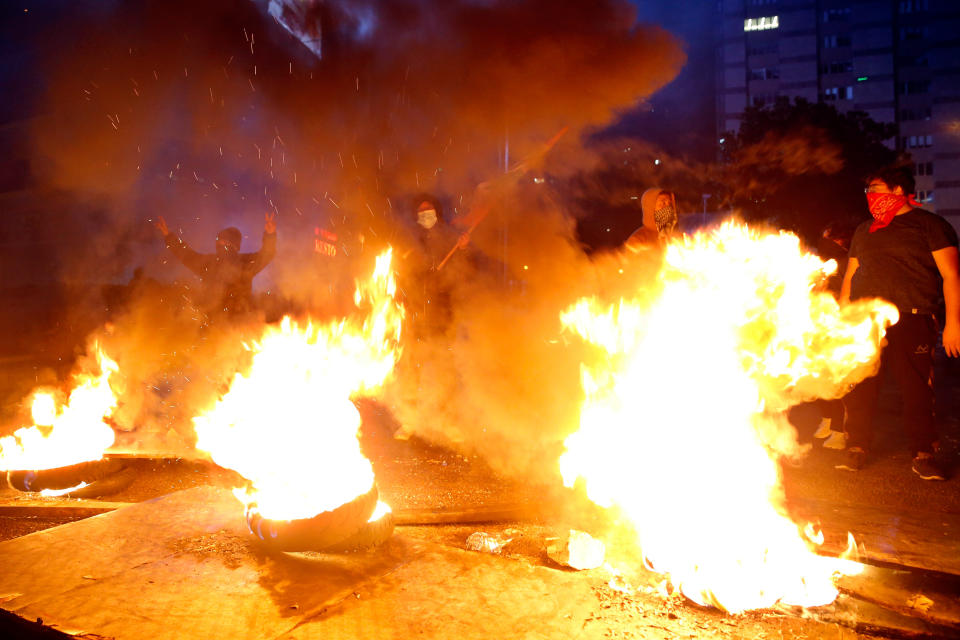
x=514 y=173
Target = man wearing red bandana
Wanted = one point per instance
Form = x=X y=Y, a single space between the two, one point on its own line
x=907 y=256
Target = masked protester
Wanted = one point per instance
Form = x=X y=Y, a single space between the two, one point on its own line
x=427 y=215
x=907 y=256
x=426 y=295
x=227 y=275
x=660 y=220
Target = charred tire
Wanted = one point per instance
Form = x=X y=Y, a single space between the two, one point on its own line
x=111 y=485
x=318 y=533
x=372 y=534
x=64 y=477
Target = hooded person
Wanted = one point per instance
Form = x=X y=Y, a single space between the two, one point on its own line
x=660 y=220
x=227 y=275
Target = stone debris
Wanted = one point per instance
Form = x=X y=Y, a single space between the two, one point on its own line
x=578 y=550
x=919 y=602
x=486 y=543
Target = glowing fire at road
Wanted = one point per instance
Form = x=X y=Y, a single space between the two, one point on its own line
x=683 y=421
x=69 y=434
x=288 y=424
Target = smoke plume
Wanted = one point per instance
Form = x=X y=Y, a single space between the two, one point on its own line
x=335 y=115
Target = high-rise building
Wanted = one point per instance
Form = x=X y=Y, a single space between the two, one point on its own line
x=897 y=60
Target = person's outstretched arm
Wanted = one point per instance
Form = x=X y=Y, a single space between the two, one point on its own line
x=268 y=249
x=190 y=258
x=947 y=263
x=852 y=265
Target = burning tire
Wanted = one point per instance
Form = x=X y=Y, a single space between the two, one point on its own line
x=111 y=485
x=319 y=533
x=64 y=477
x=372 y=534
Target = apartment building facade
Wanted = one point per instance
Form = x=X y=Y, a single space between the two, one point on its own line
x=897 y=60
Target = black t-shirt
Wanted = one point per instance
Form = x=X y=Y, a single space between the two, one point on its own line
x=895 y=262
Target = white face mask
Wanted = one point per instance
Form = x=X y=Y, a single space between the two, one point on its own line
x=427 y=218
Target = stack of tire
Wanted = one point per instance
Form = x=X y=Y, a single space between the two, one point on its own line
x=345 y=529
x=103 y=477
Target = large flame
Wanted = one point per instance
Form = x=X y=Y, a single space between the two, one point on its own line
x=288 y=424
x=683 y=420
x=69 y=434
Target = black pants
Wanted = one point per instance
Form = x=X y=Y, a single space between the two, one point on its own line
x=833 y=410
x=909 y=356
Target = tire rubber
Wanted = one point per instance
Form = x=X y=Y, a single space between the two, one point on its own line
x=371 y=535
x=318 y=533
x=64 y=477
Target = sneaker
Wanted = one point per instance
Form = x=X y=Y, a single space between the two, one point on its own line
x=925 y=466
x=823 y=429
x=853 y=459
x=837 y=440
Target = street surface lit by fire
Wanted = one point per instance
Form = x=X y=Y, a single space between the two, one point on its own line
x=684 y=419
x=681 y=431
x=288 y=425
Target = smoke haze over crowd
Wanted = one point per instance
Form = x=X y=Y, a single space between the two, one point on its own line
x=210 y=114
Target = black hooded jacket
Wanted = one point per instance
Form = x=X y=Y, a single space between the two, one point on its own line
x=228 y=277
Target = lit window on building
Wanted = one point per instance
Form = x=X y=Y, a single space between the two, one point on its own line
x=914 y=87
x=917 y=142
x=913 y=33
x=836 y=15
x=844 y=66
x=763 y=99
x=913 y=6
x=765 y=73
x=834 y=41
x=838 y=93
x=761 y=24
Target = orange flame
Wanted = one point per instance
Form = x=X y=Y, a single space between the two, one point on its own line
x=288 y=425
x=69 y=434
x=53 y=493
x=684 y=414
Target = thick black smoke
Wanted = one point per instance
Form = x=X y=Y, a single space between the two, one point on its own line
x=212 y=113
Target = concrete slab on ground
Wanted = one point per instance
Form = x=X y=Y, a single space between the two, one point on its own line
x=182 y=566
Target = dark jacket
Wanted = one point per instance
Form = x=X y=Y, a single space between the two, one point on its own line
x=228 y=278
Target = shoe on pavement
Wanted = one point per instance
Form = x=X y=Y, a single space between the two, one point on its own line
x=925 y=466
x=837 y=440
x=853 y=459
x=823 y=429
